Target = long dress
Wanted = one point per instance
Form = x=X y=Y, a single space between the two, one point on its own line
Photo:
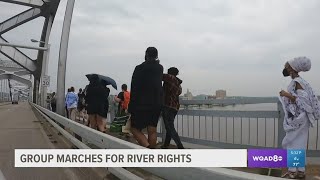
x=299 y=115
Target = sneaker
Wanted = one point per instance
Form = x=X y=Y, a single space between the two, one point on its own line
x=301 y=175
x=289 y=175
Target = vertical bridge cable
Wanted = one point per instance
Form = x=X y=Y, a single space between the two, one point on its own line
x=274 y=132
x=233 y=130
x=199 y=127
x=205 y=126
x=182 y=126
x=212 y=128
x=249 y=132
x=265 y=132
x=193 y=126
x=226 y=129
x=257 y=132
x=241 y=131
x=219 y=129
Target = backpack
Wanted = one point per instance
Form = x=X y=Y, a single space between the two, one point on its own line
x=125 y=103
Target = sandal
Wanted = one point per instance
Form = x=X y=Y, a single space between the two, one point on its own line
x=301 y=175
x=289 y=175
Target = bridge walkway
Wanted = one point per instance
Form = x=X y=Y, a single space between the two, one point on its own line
x=21 y=129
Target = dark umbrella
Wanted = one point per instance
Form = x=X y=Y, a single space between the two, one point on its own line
x=104 y=79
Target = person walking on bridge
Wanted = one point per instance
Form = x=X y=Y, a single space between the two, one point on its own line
x=123 y=99
x=301 y=107
x=146 y=98
x=97 y=103
x=81 y=106
x=53 y=102
x=172 y=90
x=66 y=106
x=72 y=103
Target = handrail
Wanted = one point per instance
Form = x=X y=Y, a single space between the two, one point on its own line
x=106 y=141
x=252 y=100
x=221 y=113
x=119 y=172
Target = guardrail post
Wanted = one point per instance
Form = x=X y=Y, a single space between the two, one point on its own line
x=281 y=132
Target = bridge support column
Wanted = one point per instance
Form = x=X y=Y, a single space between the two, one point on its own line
x=36 y=90
x=45 y=57
x=63 y=58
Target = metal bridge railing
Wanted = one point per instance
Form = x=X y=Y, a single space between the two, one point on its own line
x=236 y=129
x=105 y=141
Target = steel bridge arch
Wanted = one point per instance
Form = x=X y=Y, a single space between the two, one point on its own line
x=38 y=8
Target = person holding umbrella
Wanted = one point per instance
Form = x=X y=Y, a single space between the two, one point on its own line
x=96 y=99
x=146 y=98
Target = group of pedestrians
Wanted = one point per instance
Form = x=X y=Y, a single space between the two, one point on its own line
x=149 y=99
x=155 y=93
x=72 y=102
x=89 y=105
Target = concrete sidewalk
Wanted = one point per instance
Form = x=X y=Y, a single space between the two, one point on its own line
x=5 y=103
x=20 y=129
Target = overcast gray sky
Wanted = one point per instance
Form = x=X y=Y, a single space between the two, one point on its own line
x=237 y=45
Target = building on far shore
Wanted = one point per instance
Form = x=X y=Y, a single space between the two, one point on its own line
x=211 y=97
x=188 y=95
x=221 y=94
x=201 y=97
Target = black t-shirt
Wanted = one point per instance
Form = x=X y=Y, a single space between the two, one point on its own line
x=146 y=87
x=120 y=96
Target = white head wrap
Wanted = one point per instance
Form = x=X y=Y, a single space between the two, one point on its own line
x=300 y=64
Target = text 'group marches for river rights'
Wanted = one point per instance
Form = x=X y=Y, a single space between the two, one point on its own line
x=98 y=158
x=130 y=158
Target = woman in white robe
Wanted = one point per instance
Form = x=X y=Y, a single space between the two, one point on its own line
x=301 y=108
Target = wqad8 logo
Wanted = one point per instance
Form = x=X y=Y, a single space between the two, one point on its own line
x=267 y=158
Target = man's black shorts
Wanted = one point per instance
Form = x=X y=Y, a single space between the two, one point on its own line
x=143 y=118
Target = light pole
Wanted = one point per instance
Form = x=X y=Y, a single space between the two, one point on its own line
x=44 y=72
